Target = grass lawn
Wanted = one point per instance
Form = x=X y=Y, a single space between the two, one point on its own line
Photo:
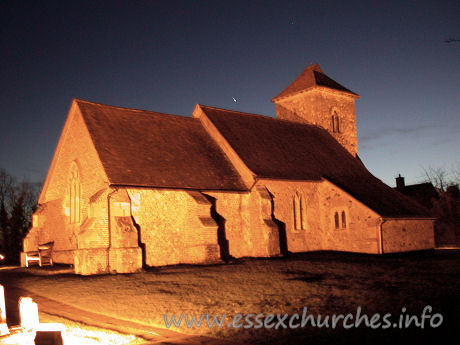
x=325 y=283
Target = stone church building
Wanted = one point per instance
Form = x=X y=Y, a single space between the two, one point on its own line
x=128 y=188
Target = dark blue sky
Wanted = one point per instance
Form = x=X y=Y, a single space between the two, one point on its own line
x=167 y=56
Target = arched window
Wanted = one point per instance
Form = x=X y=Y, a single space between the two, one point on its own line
x=300 y=212
x=335 y=122
x=74 y=194
x=303 y=213
x=336 y=220
x=297 y=219
x=344 y=220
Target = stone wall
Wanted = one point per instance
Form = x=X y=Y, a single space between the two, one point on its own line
x=112 y=248
x=316 y=107
x=175 y=226
x=51 y=225
x=402 y=235
x=94 y=230
x=362 y=232
x=321 y=200
x=249 y=228
x=123 y=233
x=91 y=261
x=283 y=192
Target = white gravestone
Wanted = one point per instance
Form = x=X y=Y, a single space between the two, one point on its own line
x=3 y=325
x=29 y=313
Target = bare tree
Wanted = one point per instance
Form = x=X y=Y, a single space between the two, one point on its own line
x=456 y=174
x=6 y=192
x=7 y=188
x=438 y=177
x=3 y=226
x=17 y=203
x=447 y=206
x=29 y=192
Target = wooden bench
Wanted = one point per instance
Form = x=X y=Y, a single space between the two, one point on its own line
x=44 y=255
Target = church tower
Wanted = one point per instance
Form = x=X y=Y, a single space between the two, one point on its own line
x=316 y=99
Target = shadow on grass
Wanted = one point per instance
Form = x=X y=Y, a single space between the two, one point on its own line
x=306 y=277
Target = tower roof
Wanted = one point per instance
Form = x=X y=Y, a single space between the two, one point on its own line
x=311 y=77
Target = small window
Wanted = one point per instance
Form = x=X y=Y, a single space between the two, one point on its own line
x=336 y=220
x=335 y=123
x=344 y=220
x=74 y=194
x=303 y=213
x=297 y=220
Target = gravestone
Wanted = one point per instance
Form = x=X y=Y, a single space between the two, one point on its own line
x=3 y=325
x=48 y=338
x=29 y=313
x=50 y=334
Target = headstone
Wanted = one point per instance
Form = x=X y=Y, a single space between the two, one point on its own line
x=50 y=334
x=3 y=325
x=29 y=313
x=48 y=338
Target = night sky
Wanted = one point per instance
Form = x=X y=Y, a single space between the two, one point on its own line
x=167 y=56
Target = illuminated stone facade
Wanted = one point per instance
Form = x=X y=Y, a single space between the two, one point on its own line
x=311 y=107
x=315 y=99
x=126 y=188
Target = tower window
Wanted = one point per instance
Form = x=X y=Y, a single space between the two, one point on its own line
x=340 y=219
x=344 y=220
x=335 y=123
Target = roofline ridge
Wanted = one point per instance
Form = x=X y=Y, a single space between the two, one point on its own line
x=237 y=111
x=267 y=117
x=78 y=100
